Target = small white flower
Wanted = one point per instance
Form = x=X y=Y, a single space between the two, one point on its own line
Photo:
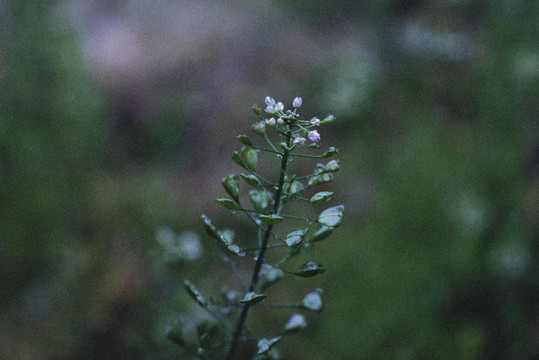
x=279 y=106
x=270 y=109
x=300 y=141
x=314 y=136
x=315 y=121
x=280 y=121
x=269 y=101
x=270 y=121
x=297 y=102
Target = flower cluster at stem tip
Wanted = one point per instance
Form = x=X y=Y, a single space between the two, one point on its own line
x=291 y=117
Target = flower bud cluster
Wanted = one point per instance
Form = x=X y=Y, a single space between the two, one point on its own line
x=290 y=118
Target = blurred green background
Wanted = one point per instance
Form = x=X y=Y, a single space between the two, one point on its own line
x=117 y=118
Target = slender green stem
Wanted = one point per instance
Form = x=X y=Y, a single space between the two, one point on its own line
x=307 y=156
x=269 y=142
x=298 y=217
x=278 y=305
x=260 y=259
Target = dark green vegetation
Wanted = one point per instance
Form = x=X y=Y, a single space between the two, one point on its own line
x=436 y=104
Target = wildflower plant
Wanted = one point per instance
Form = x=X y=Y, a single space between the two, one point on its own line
x=268 y=206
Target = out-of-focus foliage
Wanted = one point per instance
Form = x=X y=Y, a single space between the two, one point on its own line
x=114 y=118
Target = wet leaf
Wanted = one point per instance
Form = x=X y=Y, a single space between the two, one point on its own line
x=229 y=204
x=321 y=179
x=292 y=187
x=269 y=275
x=295 y=237
x=210 y=228
x=264 y=345
x=227 y=236
x=260 y=199
x=321 y=197
x=252 y=298
x=250 y=157
x=250 y=179
x=295 y=323
x=271 y=219
x=310 y=269
x=330 y=152
x=331 y=217
x=174 y=332
x=207 y=332
x=332 y=166
x=313 y=301
x=322 y=233
x=195 y=294
x=232 y=186
x=245 y=140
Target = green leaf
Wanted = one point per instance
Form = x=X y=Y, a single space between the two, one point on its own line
x=227 y=236
x=210 y=228
x=328 y=119
x=229 y=204
x=260 y=200
x=321 y=197
x=235 y=249
x=284 y=146
x=292 y=187
x=264 y=345
x=310 y=269
x=321 y=179
x=195 y=294
x=250 y=157
x=322 y=233
x=207 y=332
x=313 y=301
x=269 y=275
x=250 y=179
x=238 y=160
x=295 y=237
x=319 y=169
x=332 y=166
x=257 y=110
x=295 y=323
x=227 y=239
x=232 y=186
x=174 y=332
x=271 y=219
x=230 y=297
x=252 y=298
x=259 y=128
x=331 y=217
x=245 y=140
x=330 y=152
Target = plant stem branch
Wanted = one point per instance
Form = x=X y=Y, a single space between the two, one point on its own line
x=260 y=258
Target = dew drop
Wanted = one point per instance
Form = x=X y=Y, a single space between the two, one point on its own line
x=233 y=212
x=255 y=258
